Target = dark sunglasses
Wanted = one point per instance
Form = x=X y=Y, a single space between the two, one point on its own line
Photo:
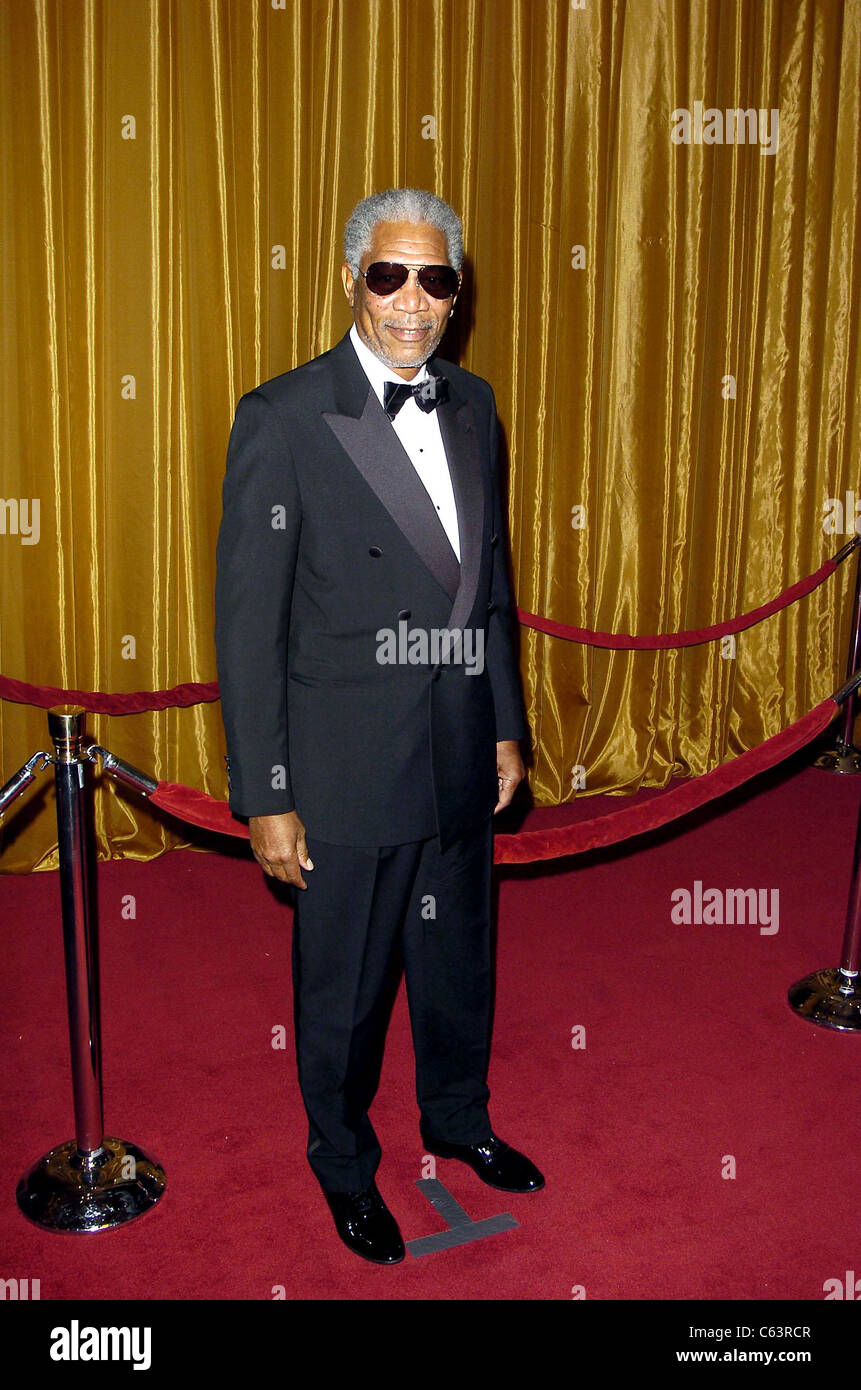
x=385 y=277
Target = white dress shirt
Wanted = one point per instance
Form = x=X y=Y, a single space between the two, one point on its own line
x=419 y=432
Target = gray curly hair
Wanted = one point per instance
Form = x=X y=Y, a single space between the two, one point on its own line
x=401 y=205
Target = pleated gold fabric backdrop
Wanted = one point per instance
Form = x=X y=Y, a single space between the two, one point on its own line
x=176 y=176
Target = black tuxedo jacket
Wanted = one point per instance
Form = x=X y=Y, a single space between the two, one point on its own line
x=327 y=537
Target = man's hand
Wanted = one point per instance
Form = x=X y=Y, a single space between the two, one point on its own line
x=510 y=771
x=278 y=844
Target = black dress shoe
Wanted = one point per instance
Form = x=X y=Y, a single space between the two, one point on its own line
x=366 y=1226
x=495 y=1162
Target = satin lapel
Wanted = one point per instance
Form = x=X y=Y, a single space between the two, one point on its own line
x=362 y=428
x=385 y=465
x=457 y=426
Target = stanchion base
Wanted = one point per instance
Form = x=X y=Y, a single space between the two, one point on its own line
x=843 y=757
x=68 y=1190
x=829 y=998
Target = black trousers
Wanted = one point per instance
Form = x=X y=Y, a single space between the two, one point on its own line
x=365 y=913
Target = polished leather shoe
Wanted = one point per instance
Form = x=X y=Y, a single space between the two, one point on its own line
x=366 y=1226
x=495 y=1162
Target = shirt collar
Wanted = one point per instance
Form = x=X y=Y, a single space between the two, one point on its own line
x=376 y=371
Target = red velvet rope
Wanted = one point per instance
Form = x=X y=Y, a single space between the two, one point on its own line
x=97 y=702
x=194 y=693
x=573 y=837
x=619 y=641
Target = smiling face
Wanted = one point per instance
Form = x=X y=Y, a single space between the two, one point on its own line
x=404 y=328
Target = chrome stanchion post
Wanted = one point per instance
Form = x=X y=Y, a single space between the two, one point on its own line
x=832 y=998
x=65 y=725
x=91 y=1182
x=843 y=756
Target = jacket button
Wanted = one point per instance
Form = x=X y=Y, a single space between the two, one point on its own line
x=494 y=539
x=404 y=614
x=491 y=608
x=375 y=552
x=436 y=673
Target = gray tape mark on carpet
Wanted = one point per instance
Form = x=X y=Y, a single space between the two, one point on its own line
x=462 y=1229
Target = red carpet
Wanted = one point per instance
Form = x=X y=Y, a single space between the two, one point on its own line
x=692 y=1054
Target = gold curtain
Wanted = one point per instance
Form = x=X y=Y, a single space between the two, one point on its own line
x=176 y=176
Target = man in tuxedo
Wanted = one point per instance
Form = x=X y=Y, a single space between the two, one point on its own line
x=372 y=704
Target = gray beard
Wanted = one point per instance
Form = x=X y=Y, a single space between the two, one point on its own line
x=390 y=361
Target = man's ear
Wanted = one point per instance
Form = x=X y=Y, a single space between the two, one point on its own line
x=348 y=281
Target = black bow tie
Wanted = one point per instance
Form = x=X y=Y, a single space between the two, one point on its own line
x=427 y=394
